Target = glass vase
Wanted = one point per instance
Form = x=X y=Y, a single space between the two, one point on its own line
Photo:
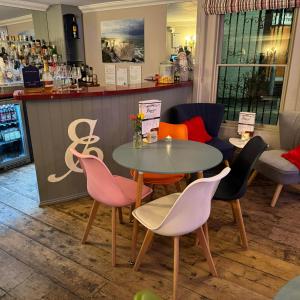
x=137 y=140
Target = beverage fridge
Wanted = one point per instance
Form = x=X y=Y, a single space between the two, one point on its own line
x=14 y=150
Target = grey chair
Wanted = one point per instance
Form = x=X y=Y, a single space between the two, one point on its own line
x=275 y=167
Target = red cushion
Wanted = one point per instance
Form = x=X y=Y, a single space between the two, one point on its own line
x=196 y=130
x=293 y=156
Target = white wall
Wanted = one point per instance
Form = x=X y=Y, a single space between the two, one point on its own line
x=155 y=36
x=20 y=27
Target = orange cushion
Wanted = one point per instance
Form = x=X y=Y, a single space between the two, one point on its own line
x=196 y=130
x=293 y=156
x=153 y=178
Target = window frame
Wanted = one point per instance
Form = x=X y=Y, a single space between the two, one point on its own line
x=218 y=65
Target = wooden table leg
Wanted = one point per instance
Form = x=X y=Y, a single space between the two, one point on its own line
x=200 y=174
x=138 y=202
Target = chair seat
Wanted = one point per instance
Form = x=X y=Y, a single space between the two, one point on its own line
x=129 y=187
x=153 y=178
x=225 y=147
x=153 y=213
x=277 y=168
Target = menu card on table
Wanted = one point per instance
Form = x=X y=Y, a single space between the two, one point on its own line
x=246 y=122
x=151 y=110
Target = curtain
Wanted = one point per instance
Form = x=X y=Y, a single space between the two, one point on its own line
x=219 y=7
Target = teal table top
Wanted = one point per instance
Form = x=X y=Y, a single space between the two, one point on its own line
x=291 y=291
x=168 y=157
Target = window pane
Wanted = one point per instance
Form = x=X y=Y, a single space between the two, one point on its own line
x=257 y=37
x=253 y=89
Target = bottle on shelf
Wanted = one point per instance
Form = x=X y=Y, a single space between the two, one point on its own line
x=47 y=77
x=75 y=28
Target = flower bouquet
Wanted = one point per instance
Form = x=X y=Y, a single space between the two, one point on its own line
x=137 y=130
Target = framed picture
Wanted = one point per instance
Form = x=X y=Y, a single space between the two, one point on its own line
x=122 y=41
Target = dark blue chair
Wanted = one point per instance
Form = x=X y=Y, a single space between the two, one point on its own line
x=212 y=115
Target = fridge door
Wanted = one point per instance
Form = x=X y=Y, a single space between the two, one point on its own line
x=13 y=137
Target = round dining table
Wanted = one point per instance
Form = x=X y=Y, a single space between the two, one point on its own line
x=165 y=157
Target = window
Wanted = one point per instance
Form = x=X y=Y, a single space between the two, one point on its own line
x=253 y=63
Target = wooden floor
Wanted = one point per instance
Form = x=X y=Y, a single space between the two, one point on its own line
x=41 y=256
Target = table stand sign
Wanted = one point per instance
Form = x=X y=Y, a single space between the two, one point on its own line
x=150 y=124
x=246 y=124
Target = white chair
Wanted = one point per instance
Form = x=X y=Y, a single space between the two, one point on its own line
x=179 y=214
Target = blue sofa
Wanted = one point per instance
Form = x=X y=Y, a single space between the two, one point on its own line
x=212 y=115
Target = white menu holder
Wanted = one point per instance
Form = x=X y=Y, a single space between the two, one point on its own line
x=110 y=74
x=122 y=78
x=151 y=110
x=246 y=122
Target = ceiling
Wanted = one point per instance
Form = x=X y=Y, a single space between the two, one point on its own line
x=177 y=12
x=184 y=12
x=7 y=12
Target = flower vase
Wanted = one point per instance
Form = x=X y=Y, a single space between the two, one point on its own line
x=137 y=140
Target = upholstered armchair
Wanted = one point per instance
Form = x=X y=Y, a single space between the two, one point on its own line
x=275 y=167
x=212 y=115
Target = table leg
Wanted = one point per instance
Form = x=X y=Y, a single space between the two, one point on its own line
x=135 y=222
x=200 y=174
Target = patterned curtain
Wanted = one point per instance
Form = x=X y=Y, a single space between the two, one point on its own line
x=219 y=7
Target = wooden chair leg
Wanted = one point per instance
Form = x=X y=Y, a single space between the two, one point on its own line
x=205 y=230
x=113 y=236
x=90 y=221
x=233 y=212
x=131 y=208
x=152 y=186
x=252 y=177
x=205 y=247
x=178 y=187
x=146 y=243
x=166 y=189
x=120 y=215
x=239 y=218
x=175 y=267
x=226 y=163
x=276 y=194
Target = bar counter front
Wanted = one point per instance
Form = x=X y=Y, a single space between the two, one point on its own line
x=92 y=120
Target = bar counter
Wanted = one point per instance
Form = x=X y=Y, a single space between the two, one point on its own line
x=93 y=120
x=99 y=91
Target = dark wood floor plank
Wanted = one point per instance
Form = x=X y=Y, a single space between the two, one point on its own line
x=67 y=273
x=54 y=233
x=66 y=246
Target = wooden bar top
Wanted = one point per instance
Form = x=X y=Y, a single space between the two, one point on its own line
x=98 y=91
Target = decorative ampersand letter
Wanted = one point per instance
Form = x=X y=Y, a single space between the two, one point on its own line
x=86 y=141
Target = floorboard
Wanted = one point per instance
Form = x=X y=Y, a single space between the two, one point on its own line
x=41 y=256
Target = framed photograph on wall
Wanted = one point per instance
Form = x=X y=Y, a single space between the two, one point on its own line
x=122 y=41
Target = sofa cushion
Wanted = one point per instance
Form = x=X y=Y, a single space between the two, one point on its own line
x=225 y=147
x=196 y=130
x=277 y=168
x=293 y=156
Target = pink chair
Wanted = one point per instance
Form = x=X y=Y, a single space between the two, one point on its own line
x=103 y=187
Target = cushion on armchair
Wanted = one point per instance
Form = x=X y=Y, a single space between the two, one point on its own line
x=196 y=130
x=275 y=167
x=212 y=115
x=293 y=156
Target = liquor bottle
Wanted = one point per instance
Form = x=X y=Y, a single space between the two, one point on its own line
x=90 y=79
x=47 y=77
x=75 y=29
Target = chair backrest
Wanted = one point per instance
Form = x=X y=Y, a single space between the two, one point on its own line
x=192 y=208
x=289 y=128
x=244 y=163
x=211 y=113
x=176 y=131
x=101 y=184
